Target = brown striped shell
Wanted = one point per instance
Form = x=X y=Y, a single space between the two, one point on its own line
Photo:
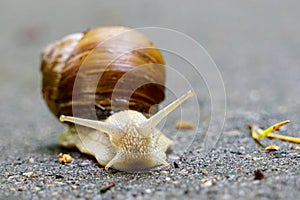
x=83 y=70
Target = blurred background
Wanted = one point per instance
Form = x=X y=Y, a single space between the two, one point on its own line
x=255 y=44
x=249 y=41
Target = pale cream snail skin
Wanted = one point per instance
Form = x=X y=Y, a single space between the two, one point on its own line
x=124 y=135
x=134 y=142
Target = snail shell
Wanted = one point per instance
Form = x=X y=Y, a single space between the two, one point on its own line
x=83 y=75
x=110 y=52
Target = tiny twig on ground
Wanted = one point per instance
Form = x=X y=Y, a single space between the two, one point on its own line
x=258 y=133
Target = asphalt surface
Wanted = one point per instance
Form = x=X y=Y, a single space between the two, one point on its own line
x=256 y=46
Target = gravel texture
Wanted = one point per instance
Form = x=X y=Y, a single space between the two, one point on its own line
x=256 y=46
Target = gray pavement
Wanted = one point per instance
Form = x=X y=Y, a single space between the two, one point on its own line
x=256 y=46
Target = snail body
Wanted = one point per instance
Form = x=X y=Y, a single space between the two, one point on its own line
x=83 y=76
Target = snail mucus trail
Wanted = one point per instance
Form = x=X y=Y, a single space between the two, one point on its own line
x=123 y=136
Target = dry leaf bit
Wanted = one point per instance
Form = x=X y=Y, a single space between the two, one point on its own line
x=64 y=158
x=257 y=133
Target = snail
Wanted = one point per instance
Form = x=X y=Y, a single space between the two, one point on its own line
x=83 y=75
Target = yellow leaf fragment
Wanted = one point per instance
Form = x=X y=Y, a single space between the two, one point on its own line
x=64 y=158
x=285 y=138
x=272 y=148
x=258 y=133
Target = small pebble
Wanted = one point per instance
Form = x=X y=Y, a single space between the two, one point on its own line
x=83 y=164
x=148 y=191
x=31 y=160
x=258 y=175
x=58 y=176
x=164 y=172
x=257 y=158
x=214 y=180
x=29 y=174
x=248 y=156
x=74 y=186
x=175 y=165
x=294 y=147
x=207 y=183
x=183 y=170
